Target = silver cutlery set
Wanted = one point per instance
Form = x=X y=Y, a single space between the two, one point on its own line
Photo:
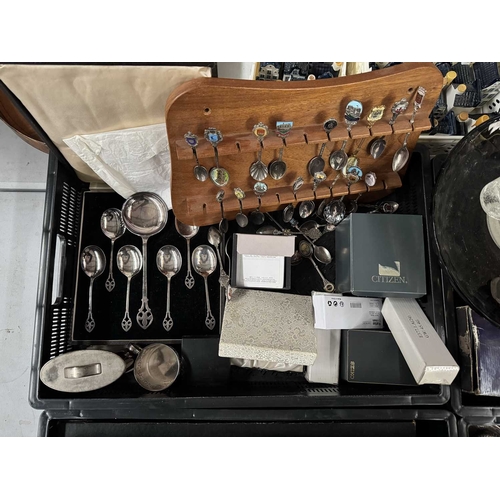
x=144 y=215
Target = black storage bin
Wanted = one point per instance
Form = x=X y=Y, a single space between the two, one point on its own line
x=254 y=422
x=473 y=426
x=246 y=388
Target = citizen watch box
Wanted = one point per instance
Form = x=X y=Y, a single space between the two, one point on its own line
x=380 y=255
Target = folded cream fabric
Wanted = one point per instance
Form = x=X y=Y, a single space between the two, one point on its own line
x=72 y=100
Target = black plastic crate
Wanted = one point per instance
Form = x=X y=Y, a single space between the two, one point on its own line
x=254 y=422
x=474 y=426
x=246 y=388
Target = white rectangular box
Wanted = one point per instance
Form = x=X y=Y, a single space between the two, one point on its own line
x=325 y=369
x=333 y=311
x=428 y=358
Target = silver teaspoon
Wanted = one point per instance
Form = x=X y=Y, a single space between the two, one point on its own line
x=223 y=224
x=205 y=263
x=215 y=238
x=200 y=172
x=129 y=262
x=187 y=232
x=288 y=210
x=401 y=156
x=320 y=253
x=306 y=250
x=169 y=262
x=113 y=227
x=241 y=218
x=93 y=263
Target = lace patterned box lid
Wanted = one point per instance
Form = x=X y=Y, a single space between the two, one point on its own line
x=269 y=326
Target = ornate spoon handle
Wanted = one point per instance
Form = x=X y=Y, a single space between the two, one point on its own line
x=189 y=281
x=144 y=316
x=126 y=321
x=209 y=320
x=110 y=282
x=168 y=322
x=90 y=323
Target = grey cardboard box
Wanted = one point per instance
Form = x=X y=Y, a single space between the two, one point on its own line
x=380 y=255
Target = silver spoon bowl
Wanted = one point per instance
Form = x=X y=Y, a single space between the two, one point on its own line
x=113 y=227
x=204 y=263
x=129 y=262
x=93 y=263
x=187 y=232
x=169 y=263
x=145 y=214
x=320 y=253
x=306 y=250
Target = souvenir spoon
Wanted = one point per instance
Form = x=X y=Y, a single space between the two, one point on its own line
x=338 y=159
x=129 y=262
x=223 y=224
x=277 y=168
x=323 y=204
x=200 y=172
x=320 y=253
x=385 y=207
x=397 y=109
x=378 y=146
x=169 y=262
x=370 y=179
x=306 y=250
x=241 y=218
x=258 y=169
x=311 y=228
x=306 y=208
x=218 y=175
x=93 y=263
x=113 y=227
x=257 y=217
x=417 y=103
x=317 y=163
x=215 y=238
x=205 y=263
x=401 y=156
x=145 y=214
x=288 y=210
x=187 y=232
x=352 y=115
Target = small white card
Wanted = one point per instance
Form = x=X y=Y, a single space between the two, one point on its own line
x=337 y=312
x=260 y=271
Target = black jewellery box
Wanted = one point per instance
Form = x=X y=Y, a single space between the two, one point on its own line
x=380 y=255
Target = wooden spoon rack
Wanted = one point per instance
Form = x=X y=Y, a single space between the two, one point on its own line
x=235 y=106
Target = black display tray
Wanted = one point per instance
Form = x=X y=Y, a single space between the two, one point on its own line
x=244 y=388
x=187 y=306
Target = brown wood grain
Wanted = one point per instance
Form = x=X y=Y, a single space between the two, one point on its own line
x=11 y=116
x=235 y=106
